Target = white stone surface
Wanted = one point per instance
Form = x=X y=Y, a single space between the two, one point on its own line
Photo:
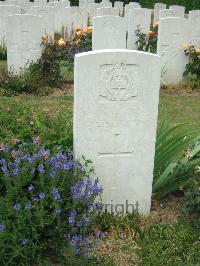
x=119 y=6
x=166 y=13
x=106 y=11
x=60 y=15
x=157 y=8
x=106 y=3
x=194 y=19
x=5 y=11
x=75 y=17
x=23 y=41
x=109 y=32
x=47 y=13
x=172 y=33
x=179 y=9
x=115 y=120
x=138 y=17
x=93 y=11
x=127 y=8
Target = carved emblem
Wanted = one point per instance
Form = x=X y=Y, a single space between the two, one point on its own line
x=118 y=82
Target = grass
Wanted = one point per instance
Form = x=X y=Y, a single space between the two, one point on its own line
x=50 y=117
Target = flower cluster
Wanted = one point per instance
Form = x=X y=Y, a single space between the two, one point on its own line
x=50 y=197
x=193 y=65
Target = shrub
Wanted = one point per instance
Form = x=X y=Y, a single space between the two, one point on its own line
x=47 y=202
x=147 y=42
x=192 y=201
x=193 y=66
x=176 y=156
x=3 y=52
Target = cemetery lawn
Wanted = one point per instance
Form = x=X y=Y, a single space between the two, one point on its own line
x=165 y=240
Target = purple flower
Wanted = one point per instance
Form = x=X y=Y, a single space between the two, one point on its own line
x=74 y=240
x=71 y=219
x=56 y=194
x=99 y=234
x=2 y=227
x=24 y=242
x=41 y=168
x=27 y=206
x=17 y=207
x=30 y=187
x=58 y=210
x=53 y=174
x=16 y=171
x=41 y=195
x=73 y=213
x=99 y=206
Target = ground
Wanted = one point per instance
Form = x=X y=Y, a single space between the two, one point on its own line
x=165 y=237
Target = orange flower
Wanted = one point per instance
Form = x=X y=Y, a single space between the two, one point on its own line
x=78 y=29
x=157 y=23
x=197 y=51
x=45 y=37
x=77 y=42
x=152 y=33
x=79 y=33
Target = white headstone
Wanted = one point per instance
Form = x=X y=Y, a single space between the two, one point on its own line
x=106 y=3
x=166 y=13
x=93 y=11
x=138 y=18
x=127 y=8
x=115 y=122
x=119 y=6
x=157 y=8
x=194 y=19
x=172 y=34
x=179 y=9
x=107 y=11
x=109 y=32
x=75 y=17
x=60 y=15
x=23 y=41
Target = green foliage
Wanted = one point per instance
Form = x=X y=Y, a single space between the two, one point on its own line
x=174 y=162
x=44 y=203
x=192 y=202
x=189 y=5
x=3 y=52
x=25 y=119
x=193 y=67
x=147 y=42
x=170 y=245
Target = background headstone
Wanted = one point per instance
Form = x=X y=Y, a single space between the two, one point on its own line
x=107 y=11
x=109 y=32
x=179 y=9
x=157 y=8
x=194 y=19
x=172 y=34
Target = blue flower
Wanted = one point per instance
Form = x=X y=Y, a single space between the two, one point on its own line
x=41 y=168
x=56 y=194
x=15 y=171
x=24 y=242
x=74 y=240
x=30 y=187
x=58 y=210
x=41 y=195
x=27 y=206
x=73 y=213
x=71 y=219
x=2 y=227
x=53 y=174
x=17 y=207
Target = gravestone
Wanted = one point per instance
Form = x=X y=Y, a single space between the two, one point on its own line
x=60 y=15
x=40 y=2
x=106 y=3
x=172 y=34
x=107 y=11
x=166 y=13
x=179 y=9
x=47 y=14
x=138 y=18
x=157 y=8
x=115 y=122
x=120 y=7
x=5 y=11
x=75 y=17
x=109 y=32
x=93 y=11
x=194 y=19
x=23 y=41
x=127 y=8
